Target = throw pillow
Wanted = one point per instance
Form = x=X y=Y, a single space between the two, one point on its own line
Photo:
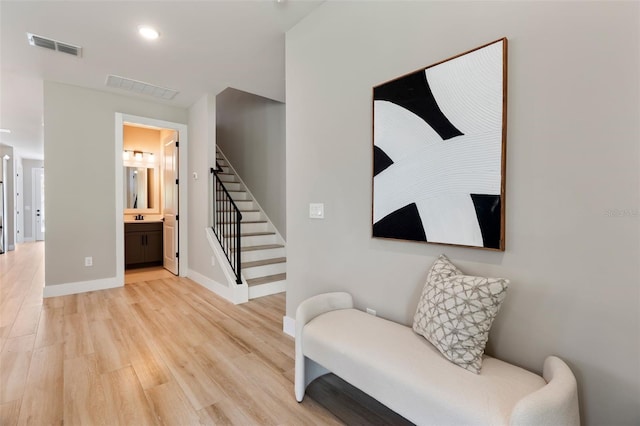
x=456 y=311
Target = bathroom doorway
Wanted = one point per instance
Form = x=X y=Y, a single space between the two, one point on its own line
x=150 y=181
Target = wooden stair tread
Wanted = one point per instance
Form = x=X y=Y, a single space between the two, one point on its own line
x=244 y=221
x=256 y=234
x=266 y=280
x=248 y=211
x=264 y=262
x=262 y=247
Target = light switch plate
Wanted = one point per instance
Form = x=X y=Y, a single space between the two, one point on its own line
x=316 y=210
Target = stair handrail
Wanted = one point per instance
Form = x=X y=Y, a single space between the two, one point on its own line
x=221 y=229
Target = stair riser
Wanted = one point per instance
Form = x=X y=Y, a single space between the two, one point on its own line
x=248 y=216
x=238 y=195
x=222 y=163
x=227 y=178
x=259 y=240
x=245 y=205
x=253 y=227
x=252 y=216
x=267 y=289
x=233 y=186
x=264 y=270
x=253 y=255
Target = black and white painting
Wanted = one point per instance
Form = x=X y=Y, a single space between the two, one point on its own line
x=438 y=154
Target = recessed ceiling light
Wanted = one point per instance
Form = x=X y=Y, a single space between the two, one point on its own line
x=148 y=32
x=5 y=131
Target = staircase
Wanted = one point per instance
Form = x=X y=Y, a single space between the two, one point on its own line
x=263 y=254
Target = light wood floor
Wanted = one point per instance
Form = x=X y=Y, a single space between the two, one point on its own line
x=160 y=350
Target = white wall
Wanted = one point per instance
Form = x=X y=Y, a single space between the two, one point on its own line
x=9 y=196
x=201 y=159
x=573 y=224
x=250 y=131
x=79 y=148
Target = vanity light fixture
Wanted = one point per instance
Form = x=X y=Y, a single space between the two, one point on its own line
x=138 y=156
x=5 y=131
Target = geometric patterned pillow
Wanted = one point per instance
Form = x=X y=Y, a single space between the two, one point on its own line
x=456 y=311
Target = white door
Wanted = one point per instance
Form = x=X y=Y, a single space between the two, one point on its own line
x=170 y=200
x=38 y=191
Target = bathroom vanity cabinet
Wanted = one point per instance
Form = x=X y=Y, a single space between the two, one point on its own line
x=142 y=244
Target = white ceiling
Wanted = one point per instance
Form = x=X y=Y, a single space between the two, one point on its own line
x=204 y=47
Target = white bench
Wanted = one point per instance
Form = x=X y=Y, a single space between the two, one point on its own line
x=405 y=372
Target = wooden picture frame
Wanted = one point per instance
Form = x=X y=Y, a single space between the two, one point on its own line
x=439 y=152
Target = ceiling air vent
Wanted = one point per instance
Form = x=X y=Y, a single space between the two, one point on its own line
x=48 y=43
x=140 y=87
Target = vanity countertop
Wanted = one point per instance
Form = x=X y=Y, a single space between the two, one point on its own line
x=142 y=221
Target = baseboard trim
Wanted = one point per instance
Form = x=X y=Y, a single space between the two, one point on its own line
x=289 y=326
x=80 y=287
x=236 y=295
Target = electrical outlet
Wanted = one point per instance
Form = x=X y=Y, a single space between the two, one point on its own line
x=371 y=312
x=88 y=261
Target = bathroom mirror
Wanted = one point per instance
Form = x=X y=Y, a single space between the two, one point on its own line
x=140 y=189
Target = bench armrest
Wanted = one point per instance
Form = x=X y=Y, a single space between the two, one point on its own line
x=310 y=308
x=317 y=305
x=554 y=404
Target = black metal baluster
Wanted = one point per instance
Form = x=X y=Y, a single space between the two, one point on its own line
x=227 y=219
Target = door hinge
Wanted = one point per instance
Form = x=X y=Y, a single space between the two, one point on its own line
x=177 y=144
x=177 y=217
x=177 y=256
x=176 y=181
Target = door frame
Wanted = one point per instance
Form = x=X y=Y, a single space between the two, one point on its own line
x=121 y=120
x=20 y=217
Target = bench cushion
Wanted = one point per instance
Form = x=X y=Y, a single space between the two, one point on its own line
x=394 y=365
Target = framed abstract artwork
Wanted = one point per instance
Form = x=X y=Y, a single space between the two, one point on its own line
x=439 y=151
